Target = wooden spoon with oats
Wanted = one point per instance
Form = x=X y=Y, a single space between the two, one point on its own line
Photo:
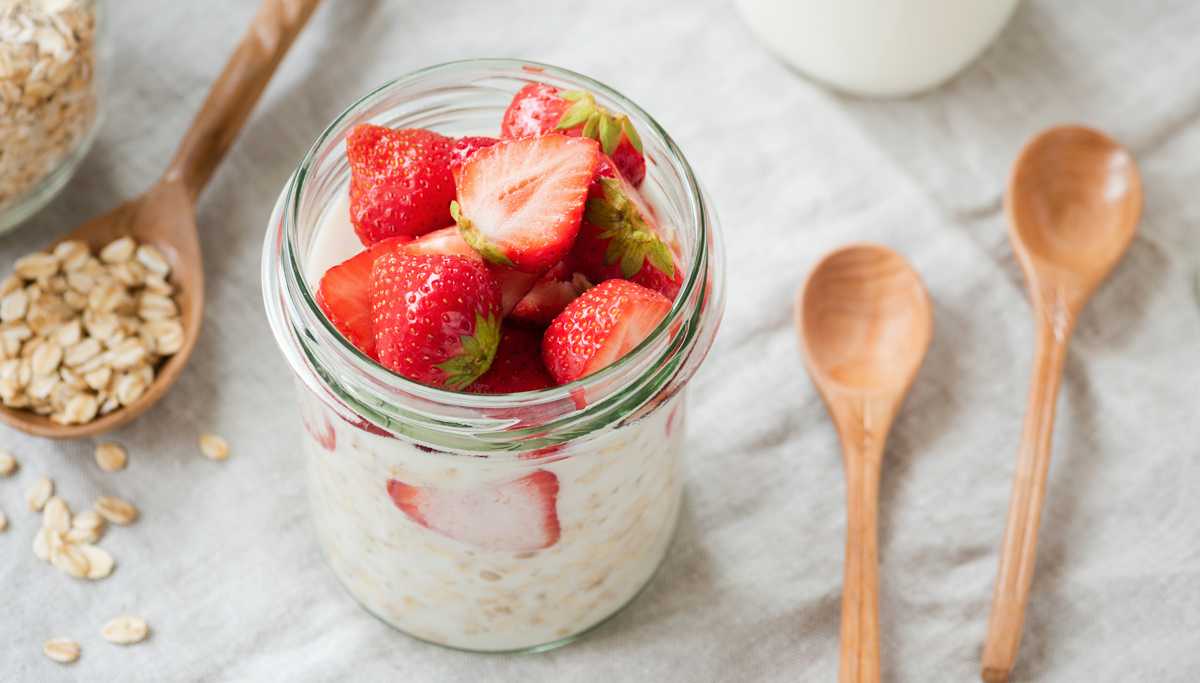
x=164 y=216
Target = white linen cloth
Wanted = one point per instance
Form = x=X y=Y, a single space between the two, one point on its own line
x=223 y=563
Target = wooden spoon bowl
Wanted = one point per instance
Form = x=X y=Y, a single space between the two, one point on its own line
x=165 y=216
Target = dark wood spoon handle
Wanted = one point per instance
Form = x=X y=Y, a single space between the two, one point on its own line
x=237 y=90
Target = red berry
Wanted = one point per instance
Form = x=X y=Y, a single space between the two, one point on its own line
x=518 y=366
x=464 y=148
x=540 y=109
x=549 y=296
x=344 y=294
x=603 y=324
x=620 y=239
x=400 y=181
x=437 y=318
x=520 y=515
x=449 y=241
x=520 y=201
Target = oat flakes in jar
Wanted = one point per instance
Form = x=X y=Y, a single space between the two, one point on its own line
x=53 y=55
x=489 y=523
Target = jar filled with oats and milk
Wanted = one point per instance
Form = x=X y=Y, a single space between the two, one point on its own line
x=53 y=55
x=541 y=513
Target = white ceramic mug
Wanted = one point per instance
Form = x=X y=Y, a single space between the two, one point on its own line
x=878 y=48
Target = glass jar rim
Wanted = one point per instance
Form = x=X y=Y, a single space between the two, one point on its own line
x=609 y=396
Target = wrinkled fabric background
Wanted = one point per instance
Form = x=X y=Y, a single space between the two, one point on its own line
x=224 y=565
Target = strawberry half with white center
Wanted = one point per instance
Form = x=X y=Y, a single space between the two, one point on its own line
x=517 y=367
x=520 y=201
x=520 y=515
x=437 y=318
x=344 y=294
x=603 y=324
x=400 y=181
x=619 y=239
x=540 y=109
x=449 y=241
x=549 y=296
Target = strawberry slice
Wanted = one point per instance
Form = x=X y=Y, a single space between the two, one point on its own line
x=400 y=181
x=344 y=294
x=437 y=318
x=548 y=297
x=603 y=324
x=540 y=109
x=520 y=515
x=520 y=201
x=620 y=239
x=464 y=148
x=517 y=367
x=449 y=241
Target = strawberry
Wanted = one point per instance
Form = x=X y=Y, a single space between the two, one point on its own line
x=464 y=148
x=520 y=201
x=603 y=324
x=437 y=318
x=400 y=181
x=540 y=109
x=518 y=366
x=449 y=241
x=519 y=515
x=344 y=294
x=549 y=296
x=619 y=239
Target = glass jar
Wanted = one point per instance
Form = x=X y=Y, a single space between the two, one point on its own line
x=53 y=63
x=491 y=523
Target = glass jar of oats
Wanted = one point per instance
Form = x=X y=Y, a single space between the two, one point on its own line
x=489 y=523
x=53 y=55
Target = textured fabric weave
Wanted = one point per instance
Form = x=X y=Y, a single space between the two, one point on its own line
x=223 y=563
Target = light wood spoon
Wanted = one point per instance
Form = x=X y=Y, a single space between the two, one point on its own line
x=165 y=216
x=864 y=322
x=1073 y=204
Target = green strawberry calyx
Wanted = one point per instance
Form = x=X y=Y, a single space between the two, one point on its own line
x=633 y=242
x=476 y=240
x=599 y=123
x=479 y=350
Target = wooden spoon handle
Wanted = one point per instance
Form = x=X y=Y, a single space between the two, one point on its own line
x=860 y=594
x=236 y=91
x=1025 y=509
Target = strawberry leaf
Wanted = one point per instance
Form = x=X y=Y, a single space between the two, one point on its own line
x=589 y=128
x=632 y=240
x=579 y=113
x=610 y=133
x=479 y=352
x=631 y=133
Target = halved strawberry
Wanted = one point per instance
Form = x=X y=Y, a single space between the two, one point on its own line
x=520 y=515
x=464 y=148
x=603 y=324
x=437 y=318
x=549 y=296
x=344 y=294
x=540 y=109
x=517 y=367
x=449 y=241
x=400 y=181
x=520 y=201
x=620 y=239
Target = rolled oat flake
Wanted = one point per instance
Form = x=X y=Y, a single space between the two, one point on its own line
x=125 y=630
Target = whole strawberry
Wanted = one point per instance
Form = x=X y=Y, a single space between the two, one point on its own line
x=540 y=109
x=436 y=318
x=400 y=181
x=600 y=326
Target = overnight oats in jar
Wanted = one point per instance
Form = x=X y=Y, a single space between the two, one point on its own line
x=493 y=280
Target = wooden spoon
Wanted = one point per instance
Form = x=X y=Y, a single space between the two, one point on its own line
x=1073 y=204
x=165 y=216
x=864 y=322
